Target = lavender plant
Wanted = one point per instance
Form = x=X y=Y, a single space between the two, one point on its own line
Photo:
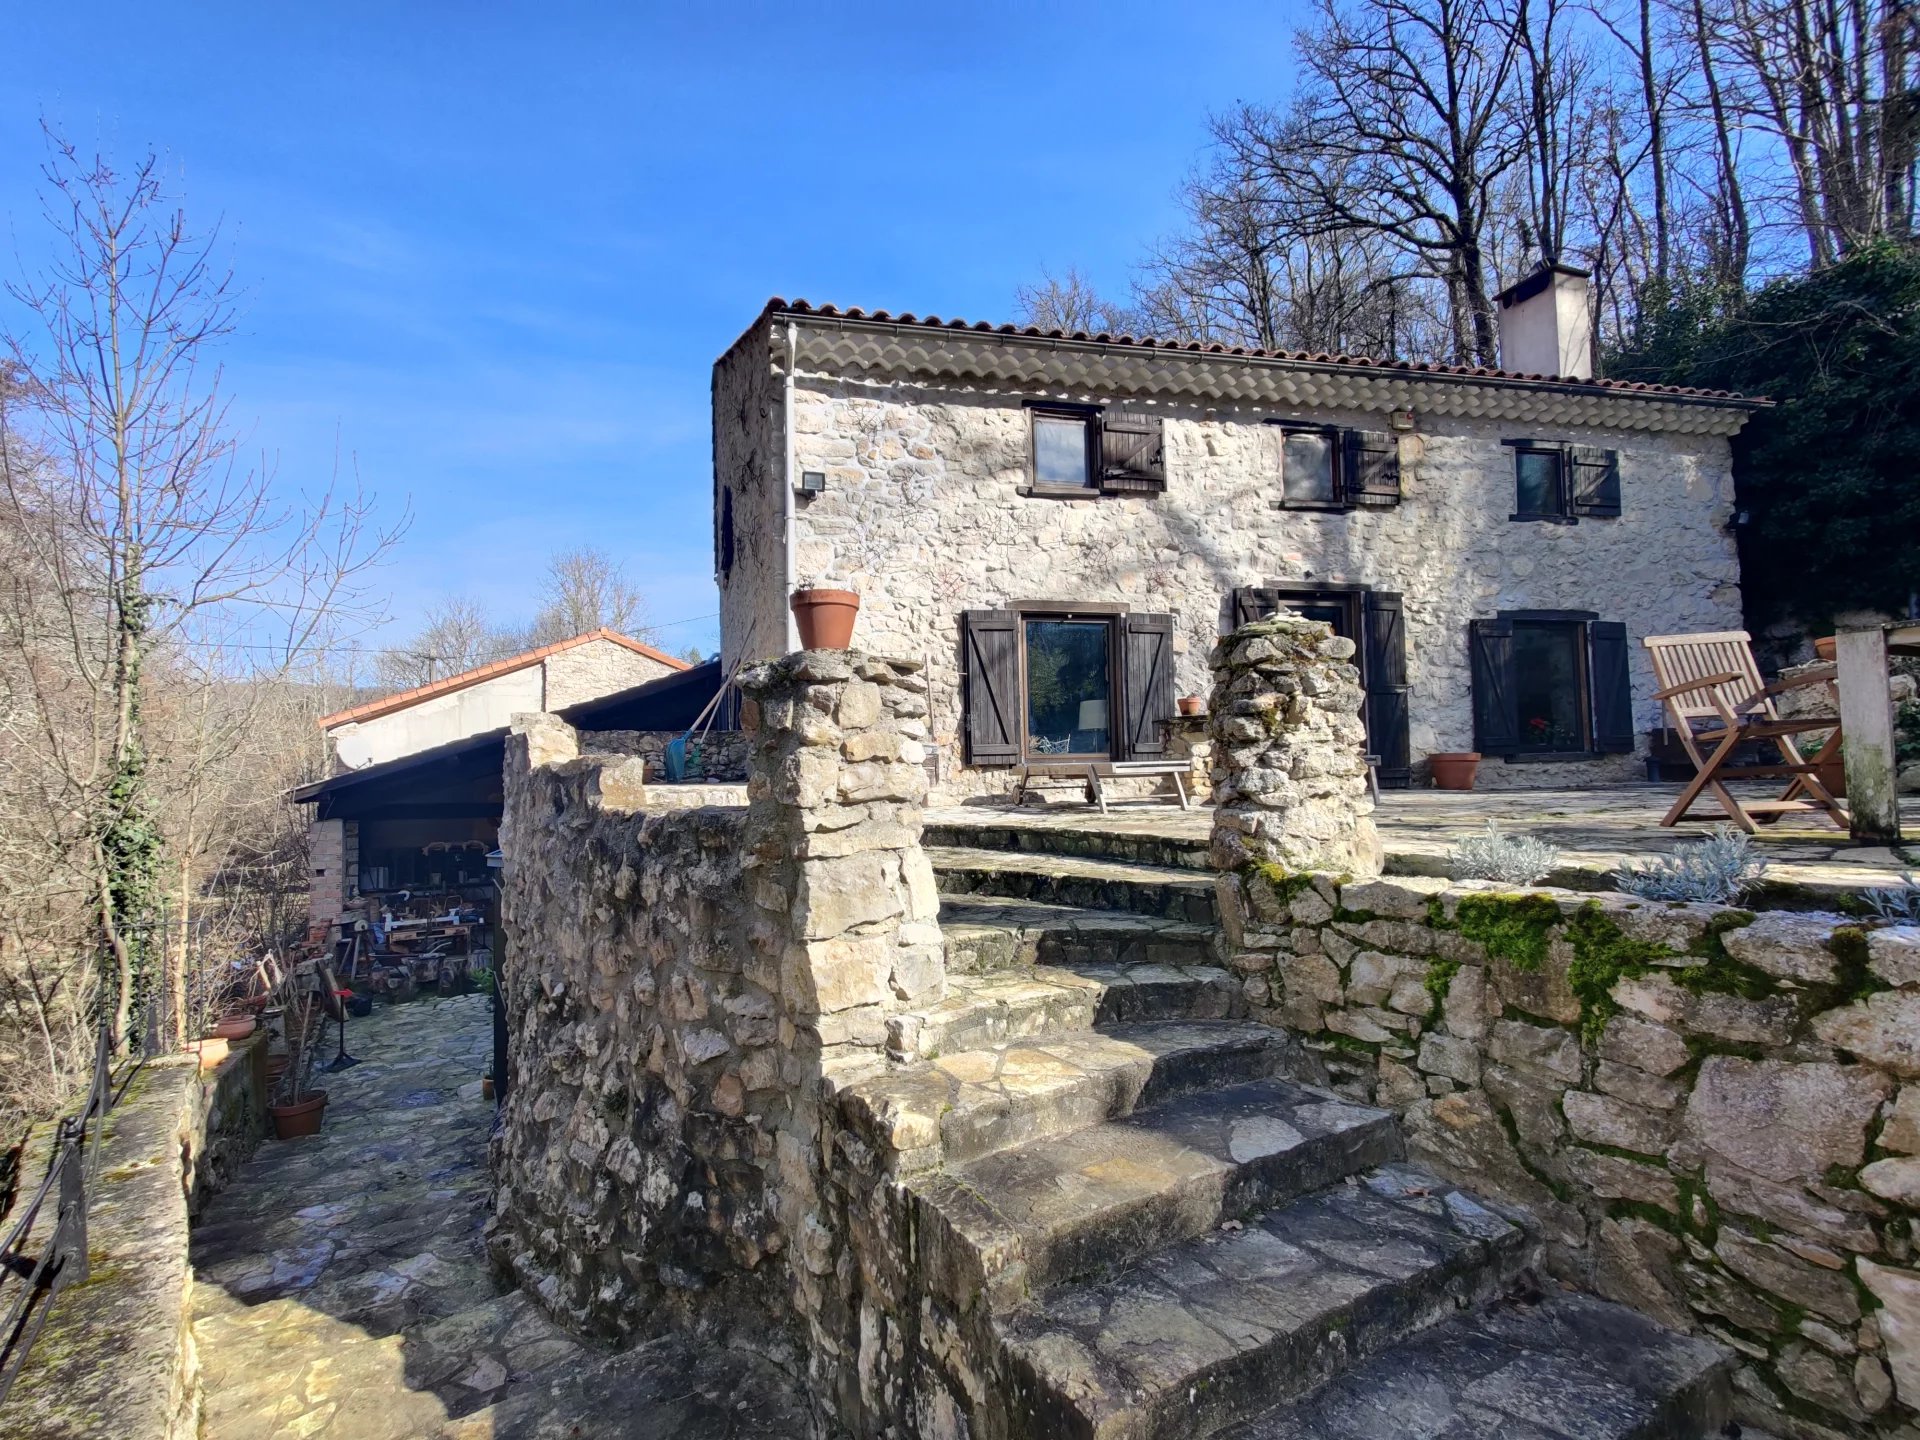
x=1717 y=870
x=1508 y=859
x=1900 y=904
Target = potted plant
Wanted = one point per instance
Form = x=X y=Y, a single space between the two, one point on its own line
x=234 y=1026
x=297 y=1108
x=1454 y=769
x=824 y=617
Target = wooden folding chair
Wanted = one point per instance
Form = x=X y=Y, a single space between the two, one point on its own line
x=1712 y=681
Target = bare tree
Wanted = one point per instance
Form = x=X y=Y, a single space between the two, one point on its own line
x=1836 y=84
x=1069 y=302
x=455 y=635
x=1405 y=129
x=138 y=527
x=585 y=589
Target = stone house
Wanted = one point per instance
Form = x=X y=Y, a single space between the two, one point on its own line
x=1059 y=525
x=413 y=801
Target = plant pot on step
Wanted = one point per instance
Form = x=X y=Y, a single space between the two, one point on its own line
x=825 y=617
x=486 y=1087
x=1191 y=705
x=233 y=1027
x=303 y=1117
x=1454 y=769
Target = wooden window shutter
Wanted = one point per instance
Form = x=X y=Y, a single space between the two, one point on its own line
x=1133 y=457
x=1372 y=468
x=1611 y=686
x=1593 y=481
x=1496 y=716
x=1386 y=680
x=1254 y=602
x=1146 y=668
x=991 y=684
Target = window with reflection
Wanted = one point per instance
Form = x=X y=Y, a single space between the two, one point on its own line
x=1060 y=451
x=1069 y=681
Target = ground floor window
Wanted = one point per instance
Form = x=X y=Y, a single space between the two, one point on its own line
x=1052 y=683
x=1069 y=683
x=1550 y=683
x=1550 y=686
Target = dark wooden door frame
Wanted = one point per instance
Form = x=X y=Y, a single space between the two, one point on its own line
x=1110 y=615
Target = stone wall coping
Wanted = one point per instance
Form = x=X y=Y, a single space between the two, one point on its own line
x=115 y=1361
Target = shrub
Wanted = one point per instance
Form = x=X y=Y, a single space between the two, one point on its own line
x=1507 y=859
x=1715 y=870
x=1901 y=904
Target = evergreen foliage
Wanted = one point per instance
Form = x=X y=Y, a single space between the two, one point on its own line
x=1829 y=480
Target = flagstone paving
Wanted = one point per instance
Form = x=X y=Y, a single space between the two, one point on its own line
x=1595 y=830
x=342 y=1291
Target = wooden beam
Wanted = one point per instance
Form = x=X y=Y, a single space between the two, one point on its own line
x=1866 y=730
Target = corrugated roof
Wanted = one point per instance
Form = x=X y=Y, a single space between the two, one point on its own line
x=1484 y=374
x=375 y=708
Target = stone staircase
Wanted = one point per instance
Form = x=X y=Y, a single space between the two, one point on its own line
x=1133 y=1215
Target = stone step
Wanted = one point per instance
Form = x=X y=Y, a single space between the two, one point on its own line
x=1043 y=1000
x=1570 y=1368
x=1095 y=840
x=1074 y=881
x=1225 y=1325
x=994 y=932
x=969 y=1104
x=1016 y=1221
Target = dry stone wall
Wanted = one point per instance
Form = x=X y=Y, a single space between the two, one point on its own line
x=1714 y=1114
x=682 y=984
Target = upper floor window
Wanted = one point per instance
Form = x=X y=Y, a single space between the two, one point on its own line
x=1062 y=450
x=1326 y=468
x=1084 y=449
x=1562 y=483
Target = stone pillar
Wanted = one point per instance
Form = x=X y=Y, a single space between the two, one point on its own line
x=836 y=791
x=1289 y=751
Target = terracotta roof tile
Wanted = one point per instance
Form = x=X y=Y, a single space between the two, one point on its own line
x=778 y=306
x=375 y=708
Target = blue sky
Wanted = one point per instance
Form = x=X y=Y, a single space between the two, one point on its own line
x=490 y=251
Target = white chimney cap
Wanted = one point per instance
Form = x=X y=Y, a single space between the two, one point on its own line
x=1545 y=326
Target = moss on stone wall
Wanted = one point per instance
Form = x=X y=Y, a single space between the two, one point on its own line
x=1603 y=955
x=1513 y=928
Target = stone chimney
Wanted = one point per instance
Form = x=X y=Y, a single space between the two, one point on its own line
x=1545 y=326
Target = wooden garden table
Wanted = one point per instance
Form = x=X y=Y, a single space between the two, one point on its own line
x=1866 y=726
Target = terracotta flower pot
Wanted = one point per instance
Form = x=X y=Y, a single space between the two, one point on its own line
x=486 y=1087
x=1454 y=769
x=825 y=618
x=233 y=1027
x=210 y=1052
x=1191 y=705
x=290 y=1122
x=1823 y=648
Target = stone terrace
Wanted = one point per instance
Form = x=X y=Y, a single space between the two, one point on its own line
x=342 y=1291
x=1595 y=829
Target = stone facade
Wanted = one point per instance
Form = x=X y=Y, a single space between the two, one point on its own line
x=1289 y=775
x=927 y=511
x=681 y=984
